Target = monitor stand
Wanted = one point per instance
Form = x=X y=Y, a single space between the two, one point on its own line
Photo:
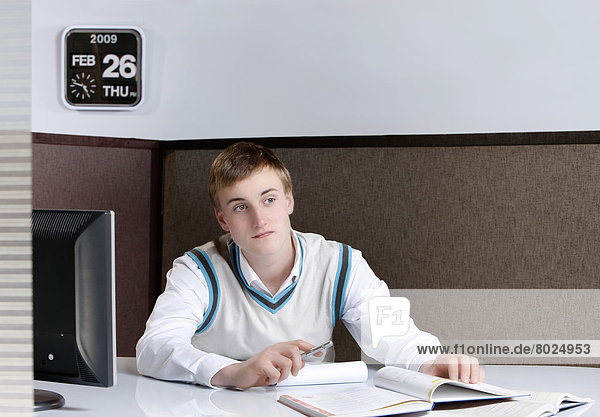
x=47 y=400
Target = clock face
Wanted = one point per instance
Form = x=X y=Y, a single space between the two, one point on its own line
x=83 y=86
x=102 y=68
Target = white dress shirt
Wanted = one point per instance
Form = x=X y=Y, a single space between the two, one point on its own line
x=165 y=350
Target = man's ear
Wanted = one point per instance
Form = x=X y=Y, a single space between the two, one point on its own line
x=290 y=201
x=221 y=219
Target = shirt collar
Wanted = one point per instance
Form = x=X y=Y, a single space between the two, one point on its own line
x=254 y=281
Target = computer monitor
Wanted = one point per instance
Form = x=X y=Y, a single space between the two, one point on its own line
x=73 y=300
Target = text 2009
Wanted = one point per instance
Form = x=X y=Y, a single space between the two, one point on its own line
x=103 y=38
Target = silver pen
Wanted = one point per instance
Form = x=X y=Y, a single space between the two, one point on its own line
x=316 y=349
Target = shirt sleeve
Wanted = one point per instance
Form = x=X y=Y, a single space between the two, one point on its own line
x=165 y=350
x=392 y=350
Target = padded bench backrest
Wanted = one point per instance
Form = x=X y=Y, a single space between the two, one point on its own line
x=426 y=217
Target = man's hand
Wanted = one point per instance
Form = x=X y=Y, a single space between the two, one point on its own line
x=270 y=366
x=457 y=367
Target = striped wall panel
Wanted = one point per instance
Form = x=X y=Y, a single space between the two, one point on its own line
x=16 y=371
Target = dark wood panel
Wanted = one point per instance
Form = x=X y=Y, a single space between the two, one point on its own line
x=123 y=176
x=433 y=140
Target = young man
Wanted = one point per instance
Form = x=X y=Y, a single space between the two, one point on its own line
x=240 y=310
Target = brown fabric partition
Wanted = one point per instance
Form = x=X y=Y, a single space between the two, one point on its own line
x=426 y=217
x=520 y=215
x=78 y=172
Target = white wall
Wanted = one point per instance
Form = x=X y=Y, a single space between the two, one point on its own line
x=253 y=68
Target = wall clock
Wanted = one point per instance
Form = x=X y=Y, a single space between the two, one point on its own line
x=102 y=67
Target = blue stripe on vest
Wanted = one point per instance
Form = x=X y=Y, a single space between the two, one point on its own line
x=341 y=282
x=271 y=304
x=203 y=261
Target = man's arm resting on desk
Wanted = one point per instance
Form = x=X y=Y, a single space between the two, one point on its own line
x=272 y=365
x=179 y=362
x=165 y=351
x=400 y=350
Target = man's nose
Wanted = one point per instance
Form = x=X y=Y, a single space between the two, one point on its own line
x=259 y=219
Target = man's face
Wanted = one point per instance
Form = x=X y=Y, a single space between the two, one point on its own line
x=256 y=212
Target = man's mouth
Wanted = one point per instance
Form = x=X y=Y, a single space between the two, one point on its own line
x=263 y=235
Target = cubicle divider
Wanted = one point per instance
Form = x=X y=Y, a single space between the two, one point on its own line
x=433 y=212
x=490 y=211
x=123 y=175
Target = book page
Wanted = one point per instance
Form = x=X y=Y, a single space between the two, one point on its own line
x=459 y=391
x=355 y=400
x=518 y=407
x=415 y=384
x=328 y=373
x=507 y=408
x=559 y=400
x=436 y=389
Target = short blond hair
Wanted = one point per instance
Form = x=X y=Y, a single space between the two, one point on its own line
x=239 y=161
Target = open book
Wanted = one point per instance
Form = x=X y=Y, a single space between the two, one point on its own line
x=536 y=404
x=550 y=403
x=396 y=391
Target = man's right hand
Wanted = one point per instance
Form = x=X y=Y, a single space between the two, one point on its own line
x=272 y=365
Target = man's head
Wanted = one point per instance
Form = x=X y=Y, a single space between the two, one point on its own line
x=238 y=162
x=252 y=197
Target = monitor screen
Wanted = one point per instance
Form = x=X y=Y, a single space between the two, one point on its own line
x=74 y=297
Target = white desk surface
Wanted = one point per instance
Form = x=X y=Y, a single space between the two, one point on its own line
x=136 y=395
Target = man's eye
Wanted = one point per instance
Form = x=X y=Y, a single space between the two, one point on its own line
x=270 y=200
x=241 y=207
